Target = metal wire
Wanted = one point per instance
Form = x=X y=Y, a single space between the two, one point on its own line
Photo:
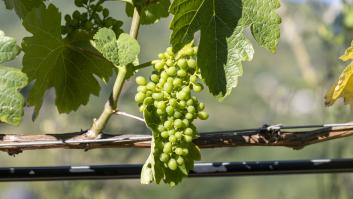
x=211 y=169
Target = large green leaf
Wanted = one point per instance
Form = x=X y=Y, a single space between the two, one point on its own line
x=68 y=65
x=22 y=7
x=223 y=45
x=150 y=11
x=121 y=51
x=11 y=100
x=8 y=48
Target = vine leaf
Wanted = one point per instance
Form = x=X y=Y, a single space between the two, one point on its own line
x=22 y=7
x=128 y=49
x=8 y=48
x=121 y=51
x=152 y=170
x=11 y=100
x=69 y=65
x=344 y=86
x=223 y=46
x=150 y=11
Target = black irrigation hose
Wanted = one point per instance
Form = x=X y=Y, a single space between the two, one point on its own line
x=132 y=171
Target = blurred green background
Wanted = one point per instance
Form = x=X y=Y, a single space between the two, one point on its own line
x=282 y=88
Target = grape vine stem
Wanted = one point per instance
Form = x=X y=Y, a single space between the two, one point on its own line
x=295 y=138
x=111 y=106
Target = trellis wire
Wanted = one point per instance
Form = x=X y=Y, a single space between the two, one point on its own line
x=213 y=169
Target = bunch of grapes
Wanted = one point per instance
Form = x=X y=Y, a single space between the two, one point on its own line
x=169 y=93
x=94 y=18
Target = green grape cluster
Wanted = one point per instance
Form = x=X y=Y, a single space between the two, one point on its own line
x=94 y=18
x=170 y=94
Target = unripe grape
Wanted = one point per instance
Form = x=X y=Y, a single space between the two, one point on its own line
x=159 y=66
x=180 y=160
x=173 y=102
x=193 y=78
x=189 y=116
x=171 y=132
x=178 y=123
x=189 y=51
x=182 y=63
x=177 y=114
x=192 y=63
x=178 y=151
x=164 y=75
x=160 y=128
x=148 y=101
x=182 y=104
x=185 y=151
x=188 y=138
x=188 y=131
x=201 y=106
x=151 y=86
x=203 y=115
x=161 y=56
x=195 y=50
x=178 y=135
x=168 y=124
x=139 y=97
x=165 y=134
x=160 y=111
x=157 y=96
x=154 y=78
x=171 y=71
x=142 y=89
x=141 y=81
x=167 y=147
x=172 y=164
x=142 y=108
x=191 y=109
x=177 y=82
x=186 y=122
x=172 y=138
x=169 y=62
x=170 y=110
x=197 y=87
x=164 y=157
x=181 y=73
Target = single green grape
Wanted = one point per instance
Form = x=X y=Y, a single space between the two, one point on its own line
x=172 y=164
x=164 y=157
x=188 y=131
x=139 y=97
x=182 y=63
x=178 y=151
x=192 y=63
x=167 y=147
x=203 y=115
x=180 y=160
x=141 y=81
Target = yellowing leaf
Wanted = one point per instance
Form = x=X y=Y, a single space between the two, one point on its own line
x=348 y=54
x=344 y=86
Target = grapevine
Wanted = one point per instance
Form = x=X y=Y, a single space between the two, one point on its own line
x=95 y=17
x=168 y=95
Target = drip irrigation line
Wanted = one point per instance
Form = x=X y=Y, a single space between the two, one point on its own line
x=212 y=169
